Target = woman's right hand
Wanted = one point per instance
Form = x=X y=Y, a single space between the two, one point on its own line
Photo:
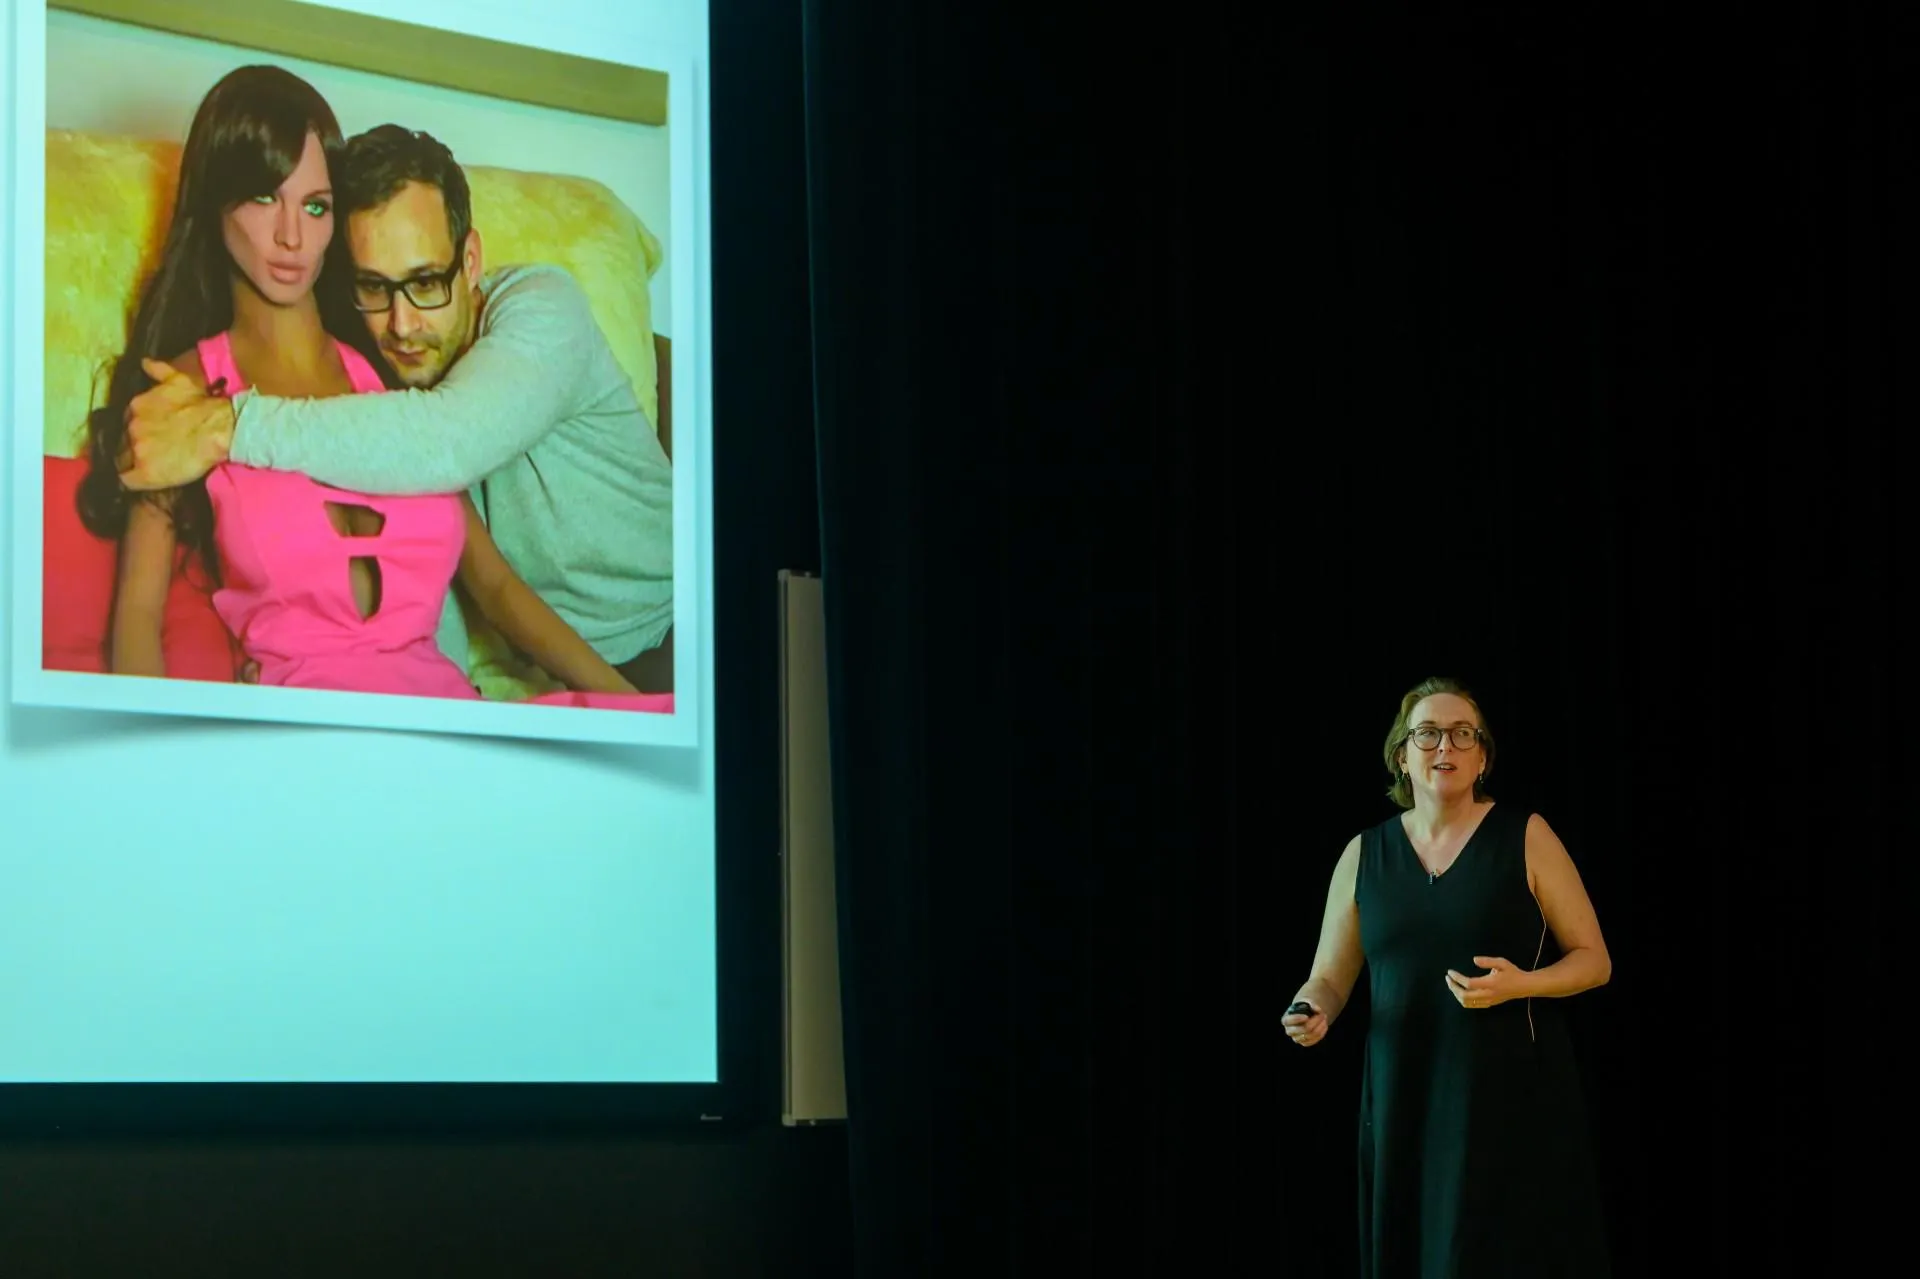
x=1306 y=1030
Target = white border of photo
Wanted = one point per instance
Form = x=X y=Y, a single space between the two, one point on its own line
x=688 y=257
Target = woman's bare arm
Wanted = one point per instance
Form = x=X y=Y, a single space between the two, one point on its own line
x=527 y=621
x=1338 y=958
x=1566 y=909
x=140 y=590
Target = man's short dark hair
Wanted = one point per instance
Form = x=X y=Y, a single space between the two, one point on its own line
x=377 y=163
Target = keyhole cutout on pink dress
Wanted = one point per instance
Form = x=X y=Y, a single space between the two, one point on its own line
x=351 y=522
x=355 y=521
x=371 y=567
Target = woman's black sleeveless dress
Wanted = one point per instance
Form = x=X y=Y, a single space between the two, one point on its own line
x=1474 y=1154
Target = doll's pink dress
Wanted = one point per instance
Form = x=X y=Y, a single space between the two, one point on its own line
x=288 y=596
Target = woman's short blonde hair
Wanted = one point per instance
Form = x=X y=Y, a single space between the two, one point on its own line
x=1401 y=792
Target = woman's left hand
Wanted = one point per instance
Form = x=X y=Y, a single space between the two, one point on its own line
x=1503 y=982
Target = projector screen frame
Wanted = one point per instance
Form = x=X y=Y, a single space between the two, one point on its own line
x=242 y=1108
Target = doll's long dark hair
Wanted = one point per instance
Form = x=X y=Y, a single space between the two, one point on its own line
x=247 y=136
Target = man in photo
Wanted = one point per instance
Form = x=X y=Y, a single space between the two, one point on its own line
x=504 y=387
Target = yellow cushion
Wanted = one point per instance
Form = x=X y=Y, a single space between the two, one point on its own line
x=107 y=204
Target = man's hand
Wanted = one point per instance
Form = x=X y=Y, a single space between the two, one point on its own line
x=176 y=432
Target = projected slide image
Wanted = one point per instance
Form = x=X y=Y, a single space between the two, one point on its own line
x=351 y=401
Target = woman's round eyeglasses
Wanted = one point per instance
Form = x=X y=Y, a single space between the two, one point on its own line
x=1462 y=736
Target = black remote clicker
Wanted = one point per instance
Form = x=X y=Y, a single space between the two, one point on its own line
x=1300 y=1006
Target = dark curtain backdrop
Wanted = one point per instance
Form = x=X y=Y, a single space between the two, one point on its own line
x=1187 y=388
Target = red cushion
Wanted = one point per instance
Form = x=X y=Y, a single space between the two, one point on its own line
x=76 y=600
